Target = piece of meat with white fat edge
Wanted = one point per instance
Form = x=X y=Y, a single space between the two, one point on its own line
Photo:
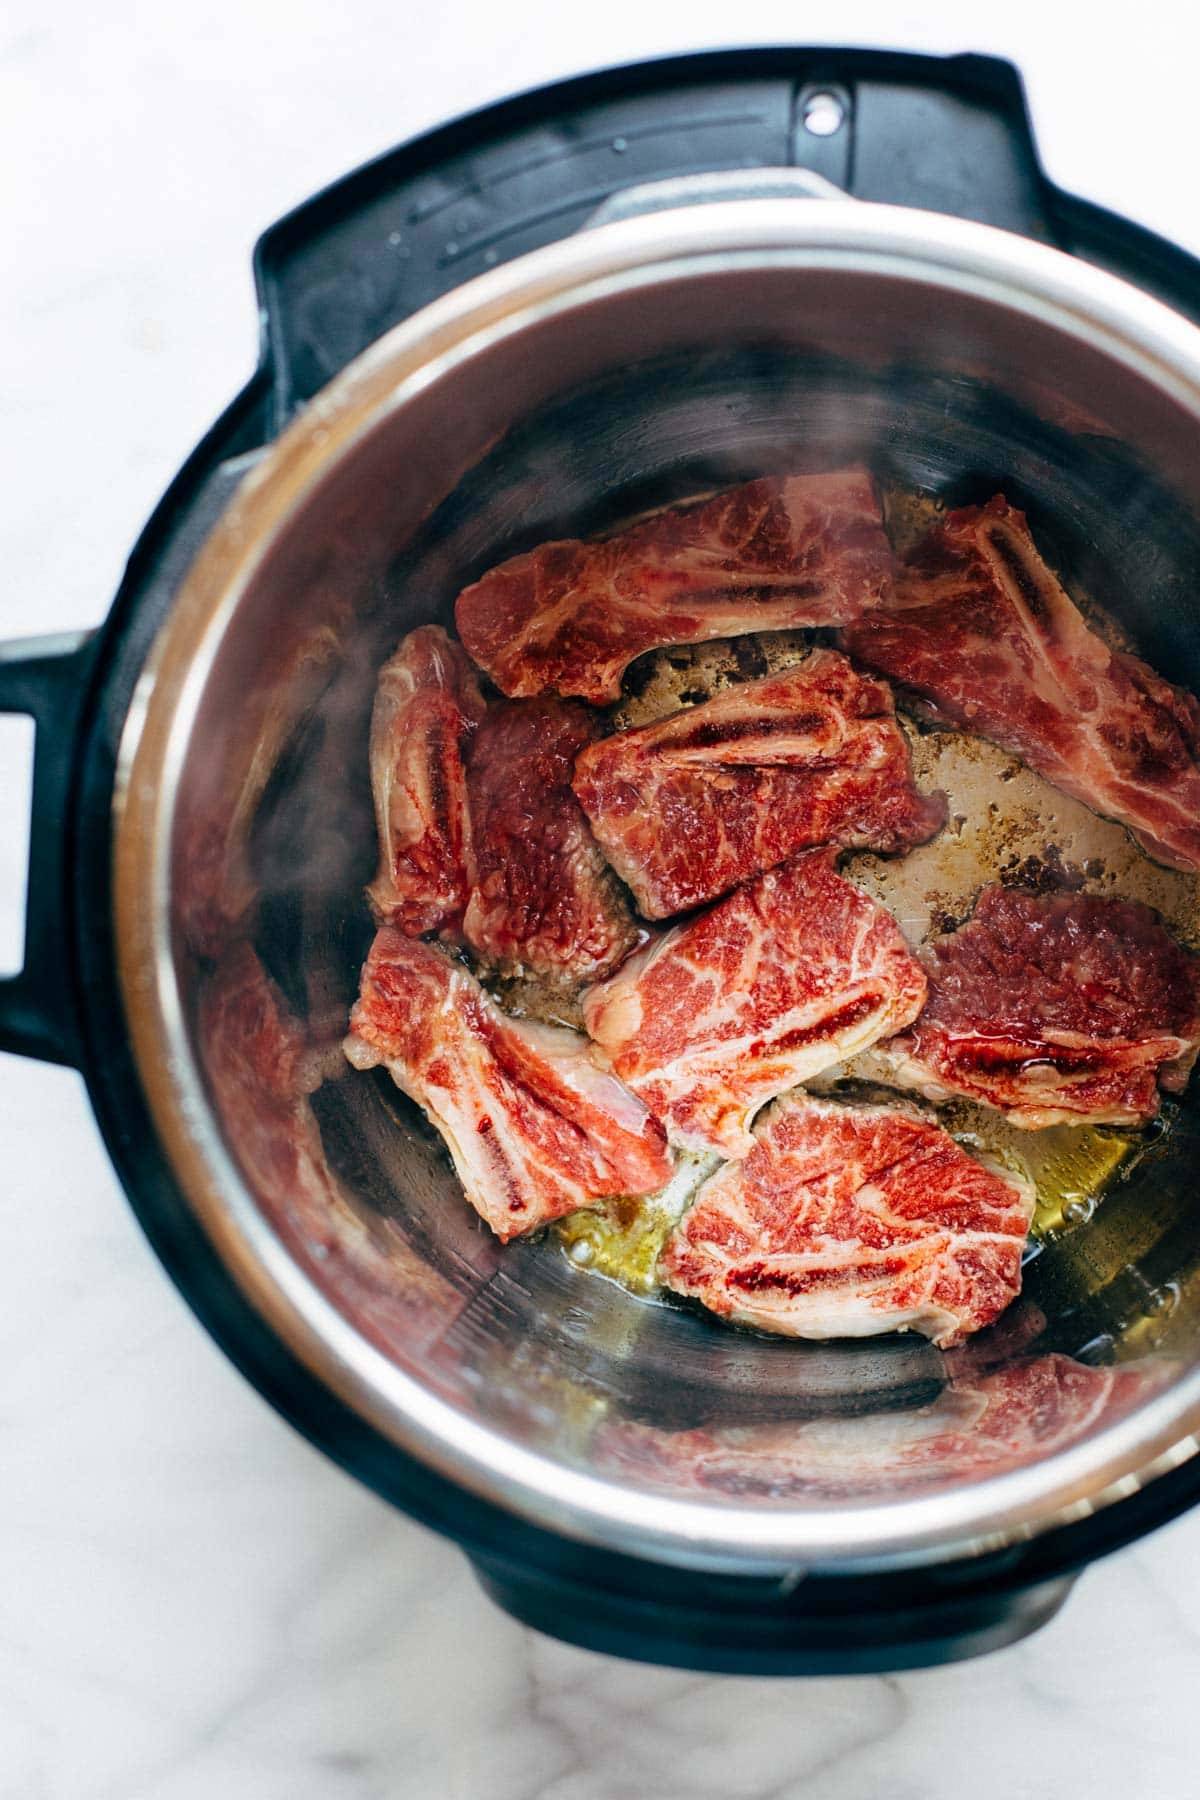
x=848 y=1221
x=787 y=976
x=533 y=1127
x=542 y=898
x=427 y=708
x=696 y=803
x=773 y=554
x=1056 y=1009
x=979 y=629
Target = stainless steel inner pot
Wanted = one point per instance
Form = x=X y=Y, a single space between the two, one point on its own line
x=646 y=360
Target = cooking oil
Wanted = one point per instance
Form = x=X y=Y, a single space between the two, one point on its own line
x=622 y=1238
x=1070 y=1166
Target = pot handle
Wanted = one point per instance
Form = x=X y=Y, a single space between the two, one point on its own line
x=45 y=678
x=710 y=187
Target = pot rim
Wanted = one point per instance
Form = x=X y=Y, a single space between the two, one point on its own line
x=1085 y=303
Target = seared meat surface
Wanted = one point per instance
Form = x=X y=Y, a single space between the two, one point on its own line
x=780 y=552
x=1056 y=1009
x=533 y=1127
x=849 y=1221
x=790 y=974
x=982 y=631
x=689 y=807
x=542 y=898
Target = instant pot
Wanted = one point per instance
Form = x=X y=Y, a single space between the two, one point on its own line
x=540 y=320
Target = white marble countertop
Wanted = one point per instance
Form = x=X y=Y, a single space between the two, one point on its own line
x=195 y=1604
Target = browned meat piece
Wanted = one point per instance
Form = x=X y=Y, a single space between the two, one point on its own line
x=776 y=553
x=427 y=706
x=1056 y=1009
x=542 y=897
x=534 y=1129
x=690 y=806
x=787 y=976
x=850 y=1221
x=981 y=630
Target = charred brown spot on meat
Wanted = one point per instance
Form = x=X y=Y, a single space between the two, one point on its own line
x=1023 y=576
x=712 y=732
x=750 y=657
x=1152 y=762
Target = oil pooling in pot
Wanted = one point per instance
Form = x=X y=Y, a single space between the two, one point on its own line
x=623 y=1237
x=1071 y=1166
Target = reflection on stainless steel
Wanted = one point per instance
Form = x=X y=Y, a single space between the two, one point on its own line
x=1026 y=1411
x=262 y=1067
x=220 y=882
x=639 y=364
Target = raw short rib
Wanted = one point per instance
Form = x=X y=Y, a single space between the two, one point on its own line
x=850 y=1221
x=1056 y=1009
x=979 y=628
x=534 y=1129
x=789 y=975
x=781 y=552
x=542 y=897
x=690 y=806
x=427 y=706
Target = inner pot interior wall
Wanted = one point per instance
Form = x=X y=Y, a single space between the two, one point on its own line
x=588 y=415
